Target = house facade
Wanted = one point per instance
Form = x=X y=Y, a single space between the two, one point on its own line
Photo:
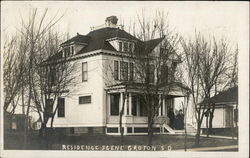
x=226 y=111
x=104 y=73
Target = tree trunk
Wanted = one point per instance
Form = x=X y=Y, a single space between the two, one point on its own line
x=42 y=131
x=150 y=130
x=121 y=129
x=207 y=126
x=211 y=116
x=120 y=116
x=197 y=137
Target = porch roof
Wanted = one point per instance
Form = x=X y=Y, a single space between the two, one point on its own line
x=171 y=89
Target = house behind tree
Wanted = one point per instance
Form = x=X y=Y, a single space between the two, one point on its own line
x=103 y=66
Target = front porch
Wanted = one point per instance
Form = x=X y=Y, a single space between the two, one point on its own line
x=134 y=118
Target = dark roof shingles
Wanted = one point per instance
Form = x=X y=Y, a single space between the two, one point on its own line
x=230 y=95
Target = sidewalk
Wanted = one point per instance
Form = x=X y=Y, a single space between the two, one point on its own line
x=218 y=148
x=217 y=136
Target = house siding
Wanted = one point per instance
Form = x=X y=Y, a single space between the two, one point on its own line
x=85 y=115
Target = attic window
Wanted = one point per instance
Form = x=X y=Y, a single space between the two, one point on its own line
x=72 y=50
x=68 y=51
x=120 y=46
x=125 y=46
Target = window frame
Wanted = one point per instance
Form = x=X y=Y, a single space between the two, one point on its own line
x=116 y=70
x=72 y=50
x=131 y=71
x=126 y=46
x=130 y=47
x=123 y=71
x=120 y=45
x=82 y=103
x=59 y=106
x=114 y=104
x=84 y=72
x=49 y=106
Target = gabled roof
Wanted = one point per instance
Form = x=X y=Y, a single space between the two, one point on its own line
x=228 y=96
x=78 y=38
x=98 y=39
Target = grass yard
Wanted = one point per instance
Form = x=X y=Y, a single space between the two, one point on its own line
x=16 y=141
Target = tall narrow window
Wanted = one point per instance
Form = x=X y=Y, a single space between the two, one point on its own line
x=116 y=70
x=125 y=46
x=164 y=74
x=120 y=46
x=84 y=71
x=114 y=104
x=131 y=71
x=72 y=50
x=49 y=107
x=130 y=47
x=124 y=71
x=61 y=107
x=151 y=73
x=134 y=105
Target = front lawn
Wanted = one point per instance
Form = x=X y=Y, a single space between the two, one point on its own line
x=16 y=141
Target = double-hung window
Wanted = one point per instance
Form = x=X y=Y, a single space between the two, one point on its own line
x=61 y=107
x=131 y=71
x=120 y=46
x=151 y=74
x=72 y=50
x=164 y=74
x=125 y=46
x=116 y=70
x=49 y=107
x=124 y=71
x=84 y=71
x=130 y=47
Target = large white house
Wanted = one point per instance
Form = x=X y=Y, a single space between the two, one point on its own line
x=93 y=105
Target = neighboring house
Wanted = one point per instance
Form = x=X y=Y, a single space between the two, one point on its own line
x=226 y=110
x=15 y=122
x=102 y=69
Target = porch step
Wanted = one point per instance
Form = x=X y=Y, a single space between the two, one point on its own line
x=190 y=129
x=169 y=129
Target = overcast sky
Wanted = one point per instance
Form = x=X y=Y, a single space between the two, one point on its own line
x=227 y=19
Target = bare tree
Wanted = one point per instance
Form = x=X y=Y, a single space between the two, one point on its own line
x=33 y=57
x=14 y=69
x=206 y=61
x=155 y=66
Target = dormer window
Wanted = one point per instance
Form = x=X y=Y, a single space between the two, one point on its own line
x=130 y=47
x=120 y=46
x=72 y=50
x=68 y=51
x=124 y=46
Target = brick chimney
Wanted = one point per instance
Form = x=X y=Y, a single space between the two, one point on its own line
x=111 y=21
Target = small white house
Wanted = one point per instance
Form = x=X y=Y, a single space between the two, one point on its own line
x=226 y=110
x=102 y=66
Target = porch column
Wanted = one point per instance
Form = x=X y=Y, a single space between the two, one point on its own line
x=137 y=106
x=108 y=105
x=163 y=106
x=185 y=105
x=126 y=106
x=159 y=109
x=130 y=104
x=121 y=101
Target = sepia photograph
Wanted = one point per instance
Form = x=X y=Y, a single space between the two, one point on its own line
x=124 y=79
